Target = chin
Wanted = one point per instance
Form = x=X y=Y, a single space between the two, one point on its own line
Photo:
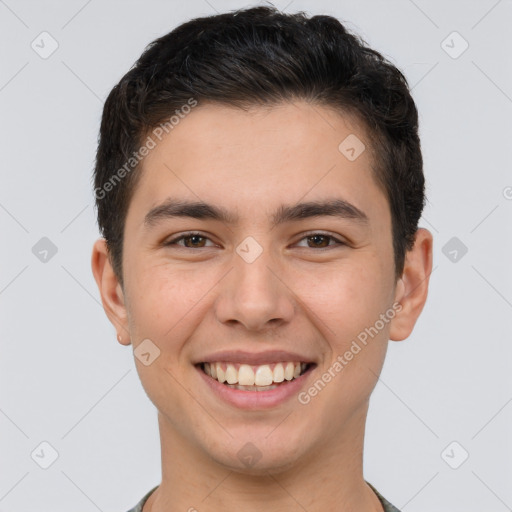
x=275 y=464
x=262 y=453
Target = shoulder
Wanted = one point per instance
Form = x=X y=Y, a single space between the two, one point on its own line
x=140 y=504
x=388 y=507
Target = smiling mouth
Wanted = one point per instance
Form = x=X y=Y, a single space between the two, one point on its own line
x=263 y=377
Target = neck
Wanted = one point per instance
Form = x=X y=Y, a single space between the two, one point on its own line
x=329 y=478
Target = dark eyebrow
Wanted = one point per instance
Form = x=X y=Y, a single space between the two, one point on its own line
x=333 y=207
x=195 y=210
x=285 y=213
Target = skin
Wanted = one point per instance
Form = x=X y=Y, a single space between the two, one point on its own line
x=294 y=296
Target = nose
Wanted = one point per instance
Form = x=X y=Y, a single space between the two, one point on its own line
x=255 y=295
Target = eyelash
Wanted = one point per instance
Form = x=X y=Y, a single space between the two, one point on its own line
x=309 y=235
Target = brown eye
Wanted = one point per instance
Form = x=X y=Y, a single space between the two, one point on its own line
x=321 y=241
x=195 y=241
x=189 y=241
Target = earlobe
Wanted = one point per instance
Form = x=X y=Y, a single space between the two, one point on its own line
x=412 y=287
x=112 y=295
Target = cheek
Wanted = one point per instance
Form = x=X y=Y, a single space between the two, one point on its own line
x=165 y=301
x=349 y=304
x=345 y=298
x=165 y=307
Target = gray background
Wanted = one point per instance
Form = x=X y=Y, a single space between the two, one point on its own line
x=64 y=378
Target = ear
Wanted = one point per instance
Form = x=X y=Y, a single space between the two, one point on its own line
x=111 y=292
x=412 y=287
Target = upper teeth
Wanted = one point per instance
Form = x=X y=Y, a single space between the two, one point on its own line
x=247 y=375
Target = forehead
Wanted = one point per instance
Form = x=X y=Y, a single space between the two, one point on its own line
x=261 y=158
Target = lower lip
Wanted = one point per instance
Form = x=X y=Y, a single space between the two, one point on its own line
x=256 y=399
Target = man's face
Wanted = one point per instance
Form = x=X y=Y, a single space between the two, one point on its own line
x=252 y=291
